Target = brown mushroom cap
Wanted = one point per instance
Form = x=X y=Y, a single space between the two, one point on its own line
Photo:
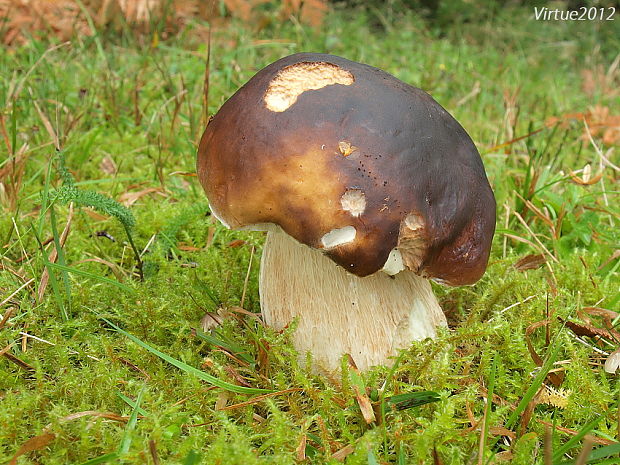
x=315 y=143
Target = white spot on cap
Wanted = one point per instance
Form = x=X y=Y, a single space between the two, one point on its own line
x=414 y=222
x=338 y=236
x=294 y=80
x=394 y=263
x=354 y=202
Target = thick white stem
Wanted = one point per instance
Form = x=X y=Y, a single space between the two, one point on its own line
x=368 y=318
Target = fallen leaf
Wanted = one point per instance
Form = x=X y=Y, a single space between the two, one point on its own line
x=341 y=454
x=501 y=431
x=108 y=166
x=263 y=357
x=222 y=400
x=365 y=405
x=530 y=262
x=584 y=329
x=210 y=321
x=572 y=432
x=237 y=377
x=188 y=248
x=300 y=450
x=114 y=268
x=32 y=444
x=260 y=398
x=555 y=378
x=129 y=198
x=95 y=413
x=94 y=214
x=586 y=178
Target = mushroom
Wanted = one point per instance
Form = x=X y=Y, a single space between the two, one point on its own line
x=367 y=187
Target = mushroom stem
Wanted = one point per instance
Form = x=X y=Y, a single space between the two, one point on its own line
x=368 y=318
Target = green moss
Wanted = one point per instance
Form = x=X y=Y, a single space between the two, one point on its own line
x=192 y=265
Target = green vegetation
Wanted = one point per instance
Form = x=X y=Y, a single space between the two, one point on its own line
x=125 y=114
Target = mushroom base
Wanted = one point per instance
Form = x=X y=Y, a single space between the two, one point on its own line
x=339 y=313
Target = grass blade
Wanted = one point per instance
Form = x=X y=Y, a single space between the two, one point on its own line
x=101 y=459
x=230 y=346
x=86 y=274
x=534 y=387
x=604 y=452
x=132 y=403
x=531 y=392
x=585 y=429
x=190 y=369
x=52 y=279
x=413 y=399
x=60 y=253
x=123 y=448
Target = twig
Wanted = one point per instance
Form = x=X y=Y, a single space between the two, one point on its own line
x=16 y=292
x=527 y=227
x=71 y=351
x=247 y=278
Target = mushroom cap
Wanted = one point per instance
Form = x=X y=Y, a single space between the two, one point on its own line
x=321 y=145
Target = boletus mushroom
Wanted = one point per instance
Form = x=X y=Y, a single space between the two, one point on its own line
x=367 y=187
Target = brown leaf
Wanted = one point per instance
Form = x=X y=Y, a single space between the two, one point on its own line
x=95 y=215
x=257 y=399
x=17 y=361
x=129 y=198
x=365 y=405
x=607 y=315
x=210 y=321
x=586 y=178
x=32 y=444
x=95 y=413
x=153 y=451
x=526 y=416
x=341 y=454
x=222 y=400
x=300 y=450
x=530 y=262
x=614 y=256
x=554 y=378
x=5 y=317
x=237 y=377
x=572 y=432
x=236 y=243
x=114 y=268
x=243 y=8
x=108 y=166
x=583 y=329
x=263 y=357
x=501 y=431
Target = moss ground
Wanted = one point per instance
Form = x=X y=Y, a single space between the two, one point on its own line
x=127 y=115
